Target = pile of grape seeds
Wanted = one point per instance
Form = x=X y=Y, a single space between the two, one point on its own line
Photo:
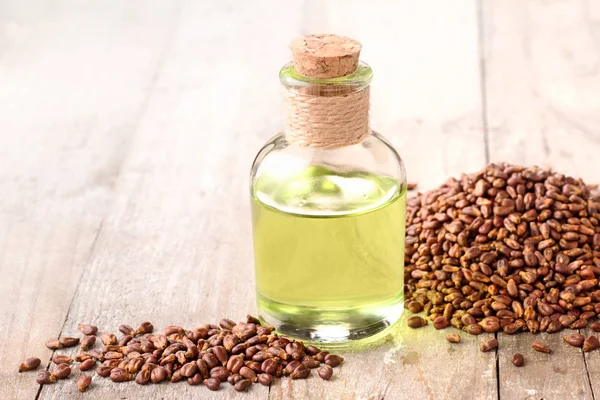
x=238 y=353
x=506 y=249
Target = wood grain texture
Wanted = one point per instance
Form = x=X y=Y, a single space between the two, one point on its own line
x=541 y=85
x=69 y=106
x=128 y=128
x=559 y=375
x=176 y=246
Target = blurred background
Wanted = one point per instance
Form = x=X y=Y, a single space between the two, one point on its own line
x=127 y=130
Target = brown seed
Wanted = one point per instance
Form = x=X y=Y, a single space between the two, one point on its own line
x=574 y=339
x=227 y=324
x=242 y=385
x=53 y=344
x=579 y=324
x=112 y=363
x=96 y=354
x=248 y=373
x=270 y=365
x=333 y=360
x=103 y=371
x=212 y=383
x=255 y=366
x=84 y=382
x=173 y=329
x=177 y=377
x=473 y=329
x=135 y=364
x=277 y=352
x=108 y=339
x=211 y=360
x=595 y=326
x=235 y=363
x=112 y=347
x=310 y=362
x=195 y=380
x=290 y=367
x=252 y=320
x=312 y=350
x=244 y=331
x=81 y=357
x=120 y=375
x=300 y=372
x=145 y=327
x=113 y=355
x=440 y=323
x=87 y=342
x=87 y=364
x=265 y=379
x=264 y=330
x=87 y=329
x=517 y=360
x=221 y=353
x=325 y=372
x=126 y=330
x=30 y=364
x=230 y=341
x=415 y=307
x=591 y=343
x=453 y=338
x=68 y=341
x=61 y=359
x=490 y=324
x=488 y=344
x=219 y=373
x=180 y=356
x=320 y=357
x=416 y=322
x=263 y=355
x=295 y=350
x=188 y=370
x=234 y=378
x=203 y=368
x=45 y=377
x=125 y=340
x=511 y=328
x=143 y=377
x=158 y=374
x=61 y=371
x=540 y=346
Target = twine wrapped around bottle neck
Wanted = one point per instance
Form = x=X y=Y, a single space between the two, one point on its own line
x=321 y=121
x=326 y=116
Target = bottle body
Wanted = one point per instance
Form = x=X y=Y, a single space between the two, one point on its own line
x=328 y=229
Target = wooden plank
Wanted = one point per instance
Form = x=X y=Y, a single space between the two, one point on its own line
x=426 y=101
x=69 y=105
x=559 y=375
x=548 y=114
x=541 y=90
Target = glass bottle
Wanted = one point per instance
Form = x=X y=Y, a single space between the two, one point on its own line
x=328 y=204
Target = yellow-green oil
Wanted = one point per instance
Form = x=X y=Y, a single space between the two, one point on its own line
x=329 y=253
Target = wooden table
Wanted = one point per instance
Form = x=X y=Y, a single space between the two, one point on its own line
x=128 y=129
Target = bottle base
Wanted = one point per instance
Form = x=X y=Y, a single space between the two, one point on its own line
x=332 y=327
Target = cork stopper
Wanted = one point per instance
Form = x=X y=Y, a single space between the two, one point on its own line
x=325 y=55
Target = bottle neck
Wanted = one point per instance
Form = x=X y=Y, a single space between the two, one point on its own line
x=326 y=113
